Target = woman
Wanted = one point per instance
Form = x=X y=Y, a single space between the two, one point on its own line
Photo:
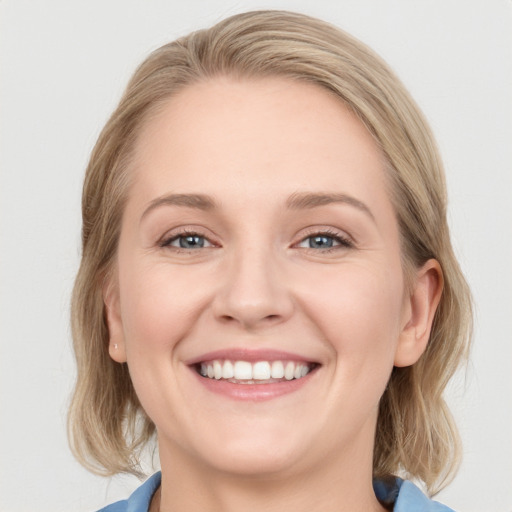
x=267 y=280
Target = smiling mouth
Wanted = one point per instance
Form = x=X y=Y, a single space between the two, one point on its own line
x=260 y=372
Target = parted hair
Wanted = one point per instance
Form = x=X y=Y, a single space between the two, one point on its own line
x=415 y=434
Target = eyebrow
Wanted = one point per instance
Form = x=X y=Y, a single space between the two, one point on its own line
x=297 y=201
x=197 y=201
x=302 y=201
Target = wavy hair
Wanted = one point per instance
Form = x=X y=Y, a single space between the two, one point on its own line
x=415 y=433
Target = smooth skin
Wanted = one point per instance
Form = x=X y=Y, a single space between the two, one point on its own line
x=295 y=248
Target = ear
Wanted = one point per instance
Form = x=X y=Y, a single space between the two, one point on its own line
x=116 y=345
x=418 y=313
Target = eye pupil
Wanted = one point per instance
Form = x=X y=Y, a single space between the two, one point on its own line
x=320 y=242
x=191 y=241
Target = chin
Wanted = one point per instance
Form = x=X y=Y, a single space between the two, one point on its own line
x=257 y=455
x=256 y=464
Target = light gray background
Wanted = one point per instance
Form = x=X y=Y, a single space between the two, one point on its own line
x=63 y=67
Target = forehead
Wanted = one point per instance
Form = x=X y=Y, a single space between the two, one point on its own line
x=257 y=136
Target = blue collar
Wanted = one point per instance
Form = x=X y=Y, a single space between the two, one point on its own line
x=405 y=496
x=400 y=494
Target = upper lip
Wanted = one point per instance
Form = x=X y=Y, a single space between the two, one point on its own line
x=249 y=355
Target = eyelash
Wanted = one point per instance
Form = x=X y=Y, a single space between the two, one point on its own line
x=166 y=242
x=342 y=241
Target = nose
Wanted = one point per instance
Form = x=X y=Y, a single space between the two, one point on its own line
x=253 y=293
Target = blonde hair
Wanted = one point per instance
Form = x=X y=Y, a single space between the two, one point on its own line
x=415 y=435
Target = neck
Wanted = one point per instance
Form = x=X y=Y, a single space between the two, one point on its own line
x=189 y=486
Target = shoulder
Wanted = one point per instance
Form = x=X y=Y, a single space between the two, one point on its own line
x=139 y=500
x=405 y=496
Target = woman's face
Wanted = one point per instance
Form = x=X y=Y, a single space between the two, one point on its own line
x=259 y=299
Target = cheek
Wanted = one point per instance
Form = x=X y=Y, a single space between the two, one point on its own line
x=159 y=307
x=358 y=310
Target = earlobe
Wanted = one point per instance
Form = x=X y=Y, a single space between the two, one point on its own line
x=116 y=346
x=419 y=313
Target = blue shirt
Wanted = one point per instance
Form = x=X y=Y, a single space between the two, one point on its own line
x=404 y=495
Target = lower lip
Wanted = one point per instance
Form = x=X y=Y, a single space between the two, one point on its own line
x=253 y=392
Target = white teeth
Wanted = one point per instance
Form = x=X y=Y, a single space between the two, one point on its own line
x=227 y=370
x=217 y=370
x=259 y=371
x=289 y=371
x=277 y=370
x=243 y=370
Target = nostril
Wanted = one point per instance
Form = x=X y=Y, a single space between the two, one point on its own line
x=231 y=318
x=227 y=318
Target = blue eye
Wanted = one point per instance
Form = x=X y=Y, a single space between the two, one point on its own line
x=324 y=241
x=191 y=241
x=320 y=242
x=187 y=241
